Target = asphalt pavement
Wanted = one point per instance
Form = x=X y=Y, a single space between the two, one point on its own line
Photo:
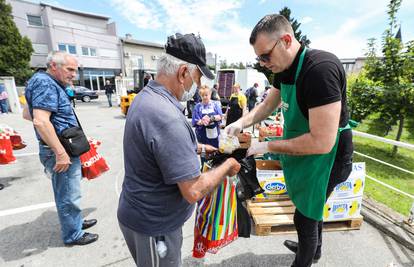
x=29 y=227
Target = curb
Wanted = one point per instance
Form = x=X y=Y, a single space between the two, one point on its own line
x=389 y=222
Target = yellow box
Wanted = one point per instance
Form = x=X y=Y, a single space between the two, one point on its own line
x=272 y=181
x=340 y=209
x=353 y=186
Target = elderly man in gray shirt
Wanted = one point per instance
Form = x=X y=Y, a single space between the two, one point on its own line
x=162 y=171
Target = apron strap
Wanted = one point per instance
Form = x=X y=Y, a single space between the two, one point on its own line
x=302 y=56
x=347 y=127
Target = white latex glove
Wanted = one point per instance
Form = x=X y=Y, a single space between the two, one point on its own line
x=234 y=128
x=258 y=148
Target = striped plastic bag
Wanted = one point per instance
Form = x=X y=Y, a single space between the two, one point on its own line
x=216 y=219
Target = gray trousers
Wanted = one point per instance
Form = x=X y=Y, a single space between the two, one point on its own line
x=143 y=248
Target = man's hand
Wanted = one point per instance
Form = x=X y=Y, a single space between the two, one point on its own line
x=62 y=162
x=210 y=149
x=258 y=148
x=234 y=166
x=234 y=128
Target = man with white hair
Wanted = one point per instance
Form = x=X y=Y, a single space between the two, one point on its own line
x=162 y=171
x=49 y=107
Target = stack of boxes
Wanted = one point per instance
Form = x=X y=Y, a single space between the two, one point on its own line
x=346 y=199
x=344 y=202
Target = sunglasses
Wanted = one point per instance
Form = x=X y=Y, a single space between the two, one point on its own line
x=266 y=57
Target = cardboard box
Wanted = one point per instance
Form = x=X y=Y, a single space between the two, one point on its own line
x=270 y=177
x=269 y=132
x=353 y=186
x=342 y=209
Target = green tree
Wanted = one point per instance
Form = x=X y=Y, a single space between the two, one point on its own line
x=390 y=83
x=295 y=25
x=286 y=12
x=15 y=50
x=239 y=65
x=223 y=64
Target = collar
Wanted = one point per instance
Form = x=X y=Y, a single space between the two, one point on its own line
x=161 y=90
x=288 y=76
x=53 y=78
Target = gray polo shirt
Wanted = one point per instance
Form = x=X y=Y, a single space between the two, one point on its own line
x=160 y=150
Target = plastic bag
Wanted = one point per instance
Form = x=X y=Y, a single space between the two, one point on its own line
x=228 y=143
x=93 y=164
x=216 y=219
x=6 y=149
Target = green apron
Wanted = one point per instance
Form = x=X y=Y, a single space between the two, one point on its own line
x=306 y=176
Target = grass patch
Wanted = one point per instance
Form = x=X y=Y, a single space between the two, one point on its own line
x=396 y=178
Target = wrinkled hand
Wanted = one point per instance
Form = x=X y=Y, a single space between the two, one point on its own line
x=234 y=167
x=234 y=128
x=62 y=162
x=210 y=149
x=258 y=148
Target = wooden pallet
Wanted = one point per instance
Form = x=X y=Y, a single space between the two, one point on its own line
x=276 y=217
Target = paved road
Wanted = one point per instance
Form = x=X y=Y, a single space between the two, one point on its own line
x=29 y=229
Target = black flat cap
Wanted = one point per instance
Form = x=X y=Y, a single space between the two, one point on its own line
x=189 y=48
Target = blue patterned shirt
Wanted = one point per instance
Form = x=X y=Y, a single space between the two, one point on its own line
x=44 y=92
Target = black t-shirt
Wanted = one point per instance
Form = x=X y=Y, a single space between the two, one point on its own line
x=321 y=81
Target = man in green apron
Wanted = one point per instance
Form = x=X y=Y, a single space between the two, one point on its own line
x=316 y=150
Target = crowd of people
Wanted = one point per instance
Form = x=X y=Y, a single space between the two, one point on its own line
x=163 y=178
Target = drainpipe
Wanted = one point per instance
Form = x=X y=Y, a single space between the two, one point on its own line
x=122 y=58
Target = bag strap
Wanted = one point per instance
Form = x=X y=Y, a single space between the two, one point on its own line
x=64 y=90
x=80 y=126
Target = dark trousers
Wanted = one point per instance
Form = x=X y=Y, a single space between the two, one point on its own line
x=4 y=107
x=309 y=230
x=109 y=96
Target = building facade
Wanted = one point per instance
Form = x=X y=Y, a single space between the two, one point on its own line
x=139 y=55
x=91 y=38
x=353 y=65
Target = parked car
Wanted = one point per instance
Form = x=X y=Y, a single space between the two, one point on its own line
x=85 y=94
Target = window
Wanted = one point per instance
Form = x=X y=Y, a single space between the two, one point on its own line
x=88 y=51
x=62 y=47
x=85 y=51
x=71 y=49
x=140 y=62
x=34 y=20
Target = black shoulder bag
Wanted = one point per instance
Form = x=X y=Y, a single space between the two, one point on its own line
x=74 y=140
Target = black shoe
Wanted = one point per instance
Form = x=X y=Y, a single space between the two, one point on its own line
x=87 y=238
x=293 y=246
x=1 y=186
x=88 y=223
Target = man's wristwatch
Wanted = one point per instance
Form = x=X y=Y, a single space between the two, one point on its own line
x=203 y=151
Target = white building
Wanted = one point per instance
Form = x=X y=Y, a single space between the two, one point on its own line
x=91 y=38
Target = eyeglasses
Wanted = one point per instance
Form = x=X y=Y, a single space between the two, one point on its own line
x=266 y=57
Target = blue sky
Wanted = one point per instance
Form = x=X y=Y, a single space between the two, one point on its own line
x=338 y=26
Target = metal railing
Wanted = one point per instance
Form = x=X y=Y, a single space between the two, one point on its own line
x=410 y=219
